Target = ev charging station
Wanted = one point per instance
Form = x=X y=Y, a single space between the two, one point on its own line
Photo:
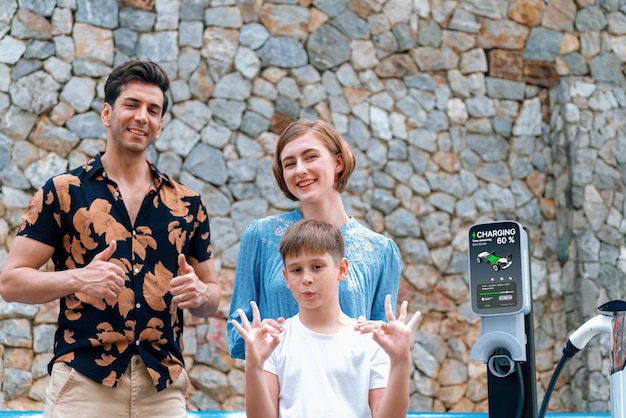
x=500 y=293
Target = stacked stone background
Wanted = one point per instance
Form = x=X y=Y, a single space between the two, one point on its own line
x=459 y=111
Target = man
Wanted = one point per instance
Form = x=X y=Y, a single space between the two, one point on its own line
x=131 y=249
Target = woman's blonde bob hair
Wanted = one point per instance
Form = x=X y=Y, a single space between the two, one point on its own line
x=329 y=136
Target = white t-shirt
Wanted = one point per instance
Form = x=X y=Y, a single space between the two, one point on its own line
x=326 y=375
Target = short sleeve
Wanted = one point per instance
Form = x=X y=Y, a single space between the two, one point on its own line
x=40 y=220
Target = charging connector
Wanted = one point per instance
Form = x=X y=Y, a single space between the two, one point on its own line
x=576 y=342
x=597 y=325
x=501 y=364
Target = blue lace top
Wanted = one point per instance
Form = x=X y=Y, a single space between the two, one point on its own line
x=374 y=272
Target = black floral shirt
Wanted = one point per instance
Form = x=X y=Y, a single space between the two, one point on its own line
x=79 y=213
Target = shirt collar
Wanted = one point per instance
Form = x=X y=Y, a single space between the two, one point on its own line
x=96 y=170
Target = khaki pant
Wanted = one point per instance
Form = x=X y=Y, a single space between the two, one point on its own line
x=72 y=395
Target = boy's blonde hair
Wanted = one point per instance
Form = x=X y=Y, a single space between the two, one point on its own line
x=329 y=136
x=312 y=236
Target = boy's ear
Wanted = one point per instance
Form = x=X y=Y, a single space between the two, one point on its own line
x=344 y=266
x=286 y=278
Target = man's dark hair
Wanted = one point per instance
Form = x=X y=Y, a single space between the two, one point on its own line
x=136 y=70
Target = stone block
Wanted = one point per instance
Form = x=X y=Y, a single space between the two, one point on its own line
x=506 y=64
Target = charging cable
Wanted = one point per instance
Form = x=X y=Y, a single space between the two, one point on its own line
x=576 y=342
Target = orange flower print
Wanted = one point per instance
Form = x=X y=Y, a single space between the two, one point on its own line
x=33 y=210
x=126 y=301
x=176 y=202
x=130 y=330
x=74 y=306
x=142 y=240
x=73 y=315
x=153 y=333
x=67 y=358
x=104 y=223
x=76 y=251
x=176 y=235
x=97 y=303
x=108 y=338
x=105 y=360
x=82 y=223
x=201 y=215
x=111 y=380
x=68 y=336
x=156 y=285
x=62 y=185
x=154 y=374
x=98 y=217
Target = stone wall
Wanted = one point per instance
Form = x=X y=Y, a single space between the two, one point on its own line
x=459 y=111
x=588 y=145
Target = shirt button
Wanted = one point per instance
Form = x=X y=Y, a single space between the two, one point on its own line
x=117 y=194
x=136 y=270
x=138 y=305
x=137 y=343
x=134 y=233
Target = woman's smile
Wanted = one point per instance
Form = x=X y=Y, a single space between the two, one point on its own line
x=305 y=183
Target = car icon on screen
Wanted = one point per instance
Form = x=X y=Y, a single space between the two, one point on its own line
x=497 y=262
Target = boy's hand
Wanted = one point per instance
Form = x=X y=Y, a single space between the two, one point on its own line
x=261 y=337
x=274 y=323
x=394 y=336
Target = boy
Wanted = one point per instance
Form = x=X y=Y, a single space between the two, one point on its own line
x=320 y=362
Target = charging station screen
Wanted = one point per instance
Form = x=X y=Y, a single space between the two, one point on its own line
x=495 y=264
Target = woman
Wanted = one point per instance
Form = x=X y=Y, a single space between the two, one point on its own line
x=312 y=164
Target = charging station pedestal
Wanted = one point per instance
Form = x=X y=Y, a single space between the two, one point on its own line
x=500 y=293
